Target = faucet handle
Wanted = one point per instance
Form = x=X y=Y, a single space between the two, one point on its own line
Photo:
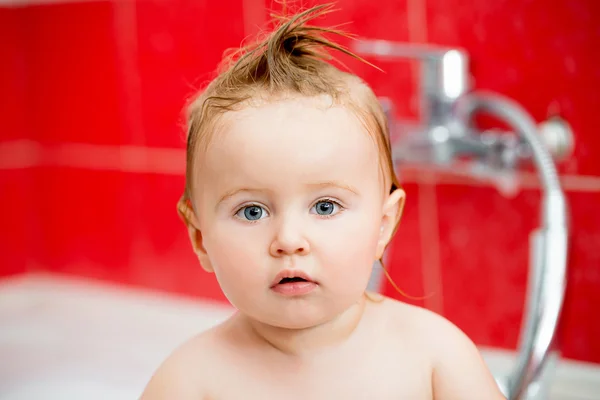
x=444 y=72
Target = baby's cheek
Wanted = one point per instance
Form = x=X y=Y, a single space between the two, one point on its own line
x=361 y=252
x=240 y=276
x=359 y=236
x=231 y=253
x=353 y=252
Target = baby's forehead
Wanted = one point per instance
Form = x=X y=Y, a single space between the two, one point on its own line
x=286 y=143
x=293 y=126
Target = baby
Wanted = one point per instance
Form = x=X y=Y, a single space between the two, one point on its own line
x=290 y=197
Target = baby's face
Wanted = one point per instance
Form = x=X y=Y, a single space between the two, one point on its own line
x=291 y=185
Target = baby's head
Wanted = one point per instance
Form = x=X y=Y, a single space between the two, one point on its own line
x=289 y=172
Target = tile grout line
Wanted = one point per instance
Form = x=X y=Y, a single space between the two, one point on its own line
x=430 y=247
x=417 y=25
x=254 y=15
x=427 y=199
x=417 y=33
x=125 y=25
x=24 y=154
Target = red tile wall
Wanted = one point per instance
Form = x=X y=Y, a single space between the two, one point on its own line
x=98 y=87
x=14 y=183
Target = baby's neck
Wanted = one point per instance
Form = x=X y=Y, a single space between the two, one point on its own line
x=300 y=342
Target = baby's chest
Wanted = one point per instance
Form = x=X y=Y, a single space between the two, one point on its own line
x=357 y=381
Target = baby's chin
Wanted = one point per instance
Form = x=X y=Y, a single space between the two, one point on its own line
x=293 y=321
x=288 y=318
x=298 y=324
x=300 y=317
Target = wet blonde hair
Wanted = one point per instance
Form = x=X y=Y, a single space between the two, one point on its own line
x=293 y=60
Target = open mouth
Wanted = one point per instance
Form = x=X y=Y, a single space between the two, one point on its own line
x=292 y=280
x=290 y=285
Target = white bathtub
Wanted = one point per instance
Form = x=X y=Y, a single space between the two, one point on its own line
x=68 y=339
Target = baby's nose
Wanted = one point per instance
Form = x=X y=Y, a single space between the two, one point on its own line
x=289 y=240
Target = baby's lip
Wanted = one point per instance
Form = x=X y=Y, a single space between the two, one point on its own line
x=291 y=273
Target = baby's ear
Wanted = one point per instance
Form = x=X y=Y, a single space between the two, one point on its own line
x=392 y=211
x=187 y=215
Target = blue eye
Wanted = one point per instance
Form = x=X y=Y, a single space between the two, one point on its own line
x=326 y=207
x=251 y=213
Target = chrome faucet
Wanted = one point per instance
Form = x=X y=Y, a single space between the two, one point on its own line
x=447 y=134
x=444 y=132
x=444 y=74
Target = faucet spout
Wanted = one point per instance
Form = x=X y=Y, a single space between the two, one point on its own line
x=444 y=73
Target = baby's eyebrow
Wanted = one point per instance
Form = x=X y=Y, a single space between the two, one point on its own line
x=230 y=193
x=335 y=184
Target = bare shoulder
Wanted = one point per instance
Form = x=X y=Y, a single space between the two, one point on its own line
x=458 y=370
x=431 y=327
x=189 y=372
x=419 y=321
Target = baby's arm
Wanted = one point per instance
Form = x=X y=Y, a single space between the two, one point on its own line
x=459 y=372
